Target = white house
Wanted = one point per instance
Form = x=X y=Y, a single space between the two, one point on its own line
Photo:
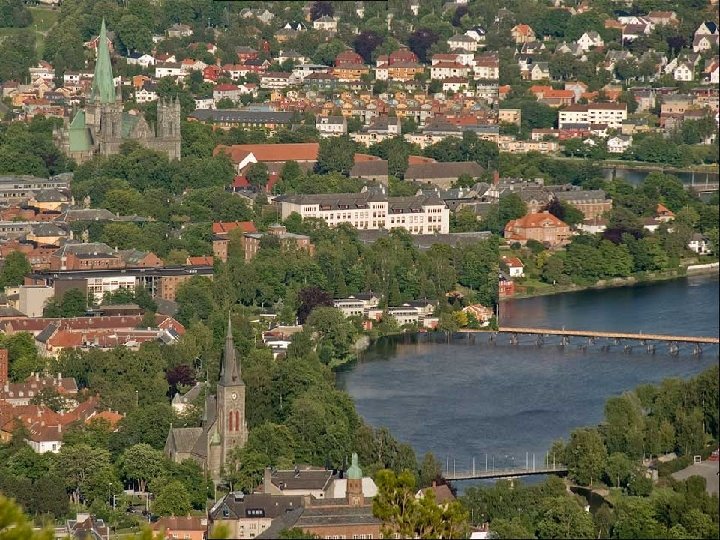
x=204 y=103
x=683 y=72
x=445 y=70
x=704 y=42
x=146 y=94
x=711 y=73
x=463 y=42
x=137 y=59
x=700 y=244
x=540 y=72
x=589 y=40
x=618 y=144
x=169 y=69
x=179 y=31
x=326 y=23
x=330 y=126
x=515 y=266
x=477 y=33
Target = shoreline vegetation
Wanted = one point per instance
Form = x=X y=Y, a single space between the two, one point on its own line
x=536 y=288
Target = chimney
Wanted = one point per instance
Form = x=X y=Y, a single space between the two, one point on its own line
x=496 y=177
x=267 y=480
x=4 y=369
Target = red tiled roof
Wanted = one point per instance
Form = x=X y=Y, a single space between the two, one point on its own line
x=513 y=261
x=206 y=260
x=271 y=152
x=532 y=221
x=224 y=227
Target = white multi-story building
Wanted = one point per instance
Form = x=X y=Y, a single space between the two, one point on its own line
x=445 y=70
x=357 y=305
x=98 y=286
x=610 y=114
x=369 y=211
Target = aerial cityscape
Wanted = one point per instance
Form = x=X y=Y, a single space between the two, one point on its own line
x=359 y=269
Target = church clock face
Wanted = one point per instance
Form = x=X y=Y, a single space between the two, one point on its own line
x=234 y=395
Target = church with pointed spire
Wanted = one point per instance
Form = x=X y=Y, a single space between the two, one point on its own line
x=223 y=427
x=102 y=126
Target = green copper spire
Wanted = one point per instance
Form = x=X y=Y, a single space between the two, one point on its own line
x=354 y=472
x=103 y=88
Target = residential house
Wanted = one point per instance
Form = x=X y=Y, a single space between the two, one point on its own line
x=482 y=315
x=274 y=80
x=444 y=70
x=684 y=72
x=618 y=144
x=487 y=67
x=522 y=33
x=463 y=42
x=705 y=42
x=541 y=226
x=631 y=32
x=663 y=18
x=700 y=244
x=181 y=527
x=147 y=93
x=179 y=31
x=326 y=24
x=711 y=73
x=540 y=71
x=168 y=69
x=86 y=526
x=590 y=40
x=143 y=60
x=330 y=126
x=382 y=128
x=514 y=265
x=357 y=305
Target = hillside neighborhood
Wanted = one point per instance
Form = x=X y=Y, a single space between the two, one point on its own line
x=207 y=207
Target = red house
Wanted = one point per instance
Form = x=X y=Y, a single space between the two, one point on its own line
x=211 y=73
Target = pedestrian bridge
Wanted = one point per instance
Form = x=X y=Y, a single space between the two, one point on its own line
x=511 y=472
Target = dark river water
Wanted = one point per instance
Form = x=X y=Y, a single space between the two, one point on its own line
x=466 y=400
x=635 y=176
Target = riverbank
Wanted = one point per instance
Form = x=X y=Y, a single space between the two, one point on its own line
x=643 y=165
x=536 y=288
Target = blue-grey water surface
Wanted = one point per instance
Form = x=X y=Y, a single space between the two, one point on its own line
x=463 y=400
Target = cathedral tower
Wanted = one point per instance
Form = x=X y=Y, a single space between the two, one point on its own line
x=354 y=483
x=231 y=423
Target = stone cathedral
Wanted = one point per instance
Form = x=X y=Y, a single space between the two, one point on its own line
x=223 y=426
x=102 y=126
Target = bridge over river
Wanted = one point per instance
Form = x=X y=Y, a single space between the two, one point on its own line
x=488 y=470
x=590 y=337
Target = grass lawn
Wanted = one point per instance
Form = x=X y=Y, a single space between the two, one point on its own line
x=43 y=19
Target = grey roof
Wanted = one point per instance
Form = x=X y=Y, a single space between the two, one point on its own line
x=302 y=479
x=76 y=248
x=581 y=195
x=428 y=171
x=285 y=521
x=47 y=333
x=50 y=195
x=190 y=395
x=337 y=516
x=184 y=439
x=236 y=505
x=48 y=229
x=425 y=241
x=377 y=167
x=132 y=256
x=7 y=311
x=88 y=214
x=242 y=116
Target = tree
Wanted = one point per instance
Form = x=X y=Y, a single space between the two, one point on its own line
x=337 y=154
x=141 y=462
x=336 y=334
x=321 y=9
x=420 y=42
x=87 y=472
x=73 y=303
x=365 y=44
x=134 y=34
x=50 y=398
x=618 y=469
x=290 y=172
x=14 y=270
x=14 y=525
x=257 y=175
x=172 y=499
x=296 y=533
x=585 y=455
x=310 y=298
x=430 y=470
x=565 y=212
x=563 y=517
x=407 y=517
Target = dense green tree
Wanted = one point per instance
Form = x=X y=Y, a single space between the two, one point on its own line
x=172 y=499
x=337 y=154
x=14 y=270
x=73 y=303
x=142 y=463
x=585 y=456
x=564 y=517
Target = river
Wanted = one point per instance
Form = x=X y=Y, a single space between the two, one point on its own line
x=463 y=400
x=635 y=176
